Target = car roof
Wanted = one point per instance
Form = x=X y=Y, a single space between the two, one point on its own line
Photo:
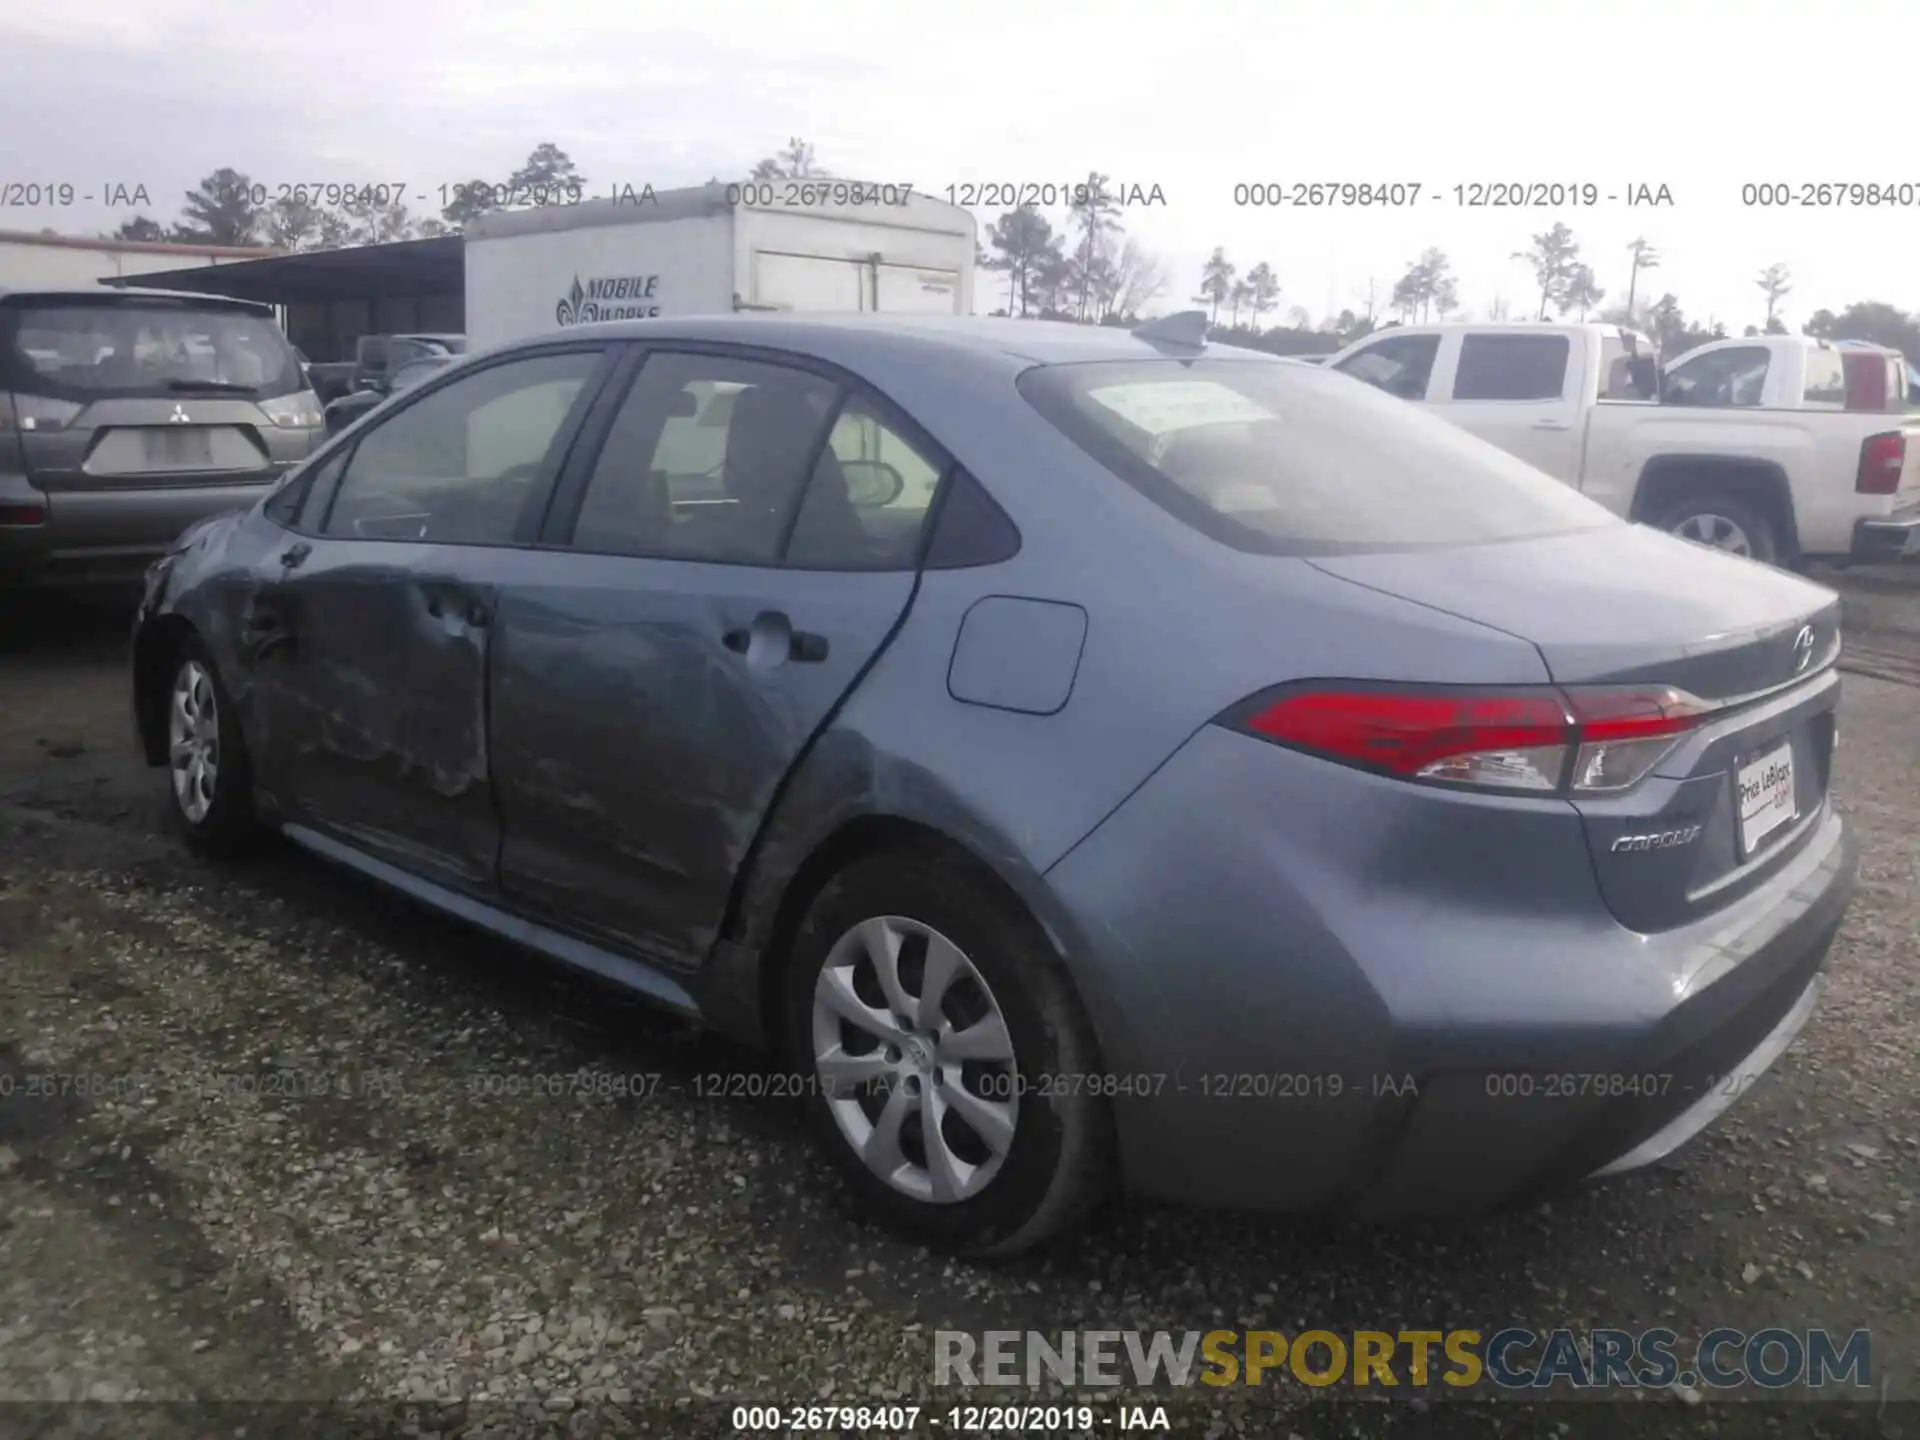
x=129 y=296
x=848 y=339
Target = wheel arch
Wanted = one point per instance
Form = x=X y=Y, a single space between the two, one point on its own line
x=742 y=986
x=156 y=650
x=1666 y=479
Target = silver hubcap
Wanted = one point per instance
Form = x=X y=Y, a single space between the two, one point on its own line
x=193 y=740
x=1716 y=532
x=914 y=1059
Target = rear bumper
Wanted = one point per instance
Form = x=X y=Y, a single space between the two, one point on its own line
x=1323 y=1013
x=1891 y=538
x=107 y=536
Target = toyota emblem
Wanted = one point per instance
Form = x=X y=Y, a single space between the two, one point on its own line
x=1803 y=649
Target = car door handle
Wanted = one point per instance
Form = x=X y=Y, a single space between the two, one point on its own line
x=473 y=612
x=295 y=554
x=779 y=640
x=1551 y=425
x=805 y=648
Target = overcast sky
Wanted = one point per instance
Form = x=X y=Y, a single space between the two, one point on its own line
x=1194 y=99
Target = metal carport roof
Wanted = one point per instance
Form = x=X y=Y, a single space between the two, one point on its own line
x=404 y=267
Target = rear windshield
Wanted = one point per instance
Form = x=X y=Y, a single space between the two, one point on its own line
x=1293 y=459
x=85 y=351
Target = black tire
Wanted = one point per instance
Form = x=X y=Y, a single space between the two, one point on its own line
x=1762 y=533
x=1059 y=1166
x=229 y=824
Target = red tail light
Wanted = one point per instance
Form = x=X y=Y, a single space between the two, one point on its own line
x=1870 y=380
x=1541 y=740
x=1882 y=457
x=28 y=513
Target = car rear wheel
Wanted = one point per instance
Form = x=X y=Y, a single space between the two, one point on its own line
x=1724 y=522
x=210 y=790
x=952 y=1074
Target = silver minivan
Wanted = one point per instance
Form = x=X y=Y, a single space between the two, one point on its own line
x=126 y=415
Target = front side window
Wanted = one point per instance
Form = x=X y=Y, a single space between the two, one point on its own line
x=1399 y=365
x=1736 y=376
x=459 y=465
x=1512 y=367
x=1286 y=459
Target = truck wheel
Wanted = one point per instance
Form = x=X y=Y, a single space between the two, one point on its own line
x=1723 y=522
x=927 y=1014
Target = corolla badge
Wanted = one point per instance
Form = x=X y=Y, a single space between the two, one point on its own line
x=1658 y=840
x=179 y=416
x=1803 y=649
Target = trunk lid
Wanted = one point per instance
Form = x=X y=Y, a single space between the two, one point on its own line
x=1625 y=605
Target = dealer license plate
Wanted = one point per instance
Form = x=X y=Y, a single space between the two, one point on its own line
x=1765 y=790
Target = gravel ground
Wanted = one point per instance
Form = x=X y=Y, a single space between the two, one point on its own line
x=307 y=1165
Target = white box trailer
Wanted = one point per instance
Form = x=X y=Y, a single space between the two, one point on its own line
x=712 y=249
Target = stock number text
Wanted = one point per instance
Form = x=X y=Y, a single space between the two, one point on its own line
x=1323 y=194
x=1831 y=194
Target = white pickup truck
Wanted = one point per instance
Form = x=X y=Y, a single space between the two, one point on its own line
x=1747 y=445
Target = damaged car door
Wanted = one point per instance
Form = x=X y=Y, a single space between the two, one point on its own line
x=717 y=572
x=372 y=642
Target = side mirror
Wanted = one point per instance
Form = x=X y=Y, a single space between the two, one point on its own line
x=872 y=483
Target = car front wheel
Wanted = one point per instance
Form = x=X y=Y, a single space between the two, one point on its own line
x=953 y=1075
x=210 y=792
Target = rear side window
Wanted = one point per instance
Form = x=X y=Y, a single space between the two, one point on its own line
x=85 y=350
x=887 y=483
x=1399 y=365
x=1736 y=376
x=672 y=482
x=971 y=530
x=1629 y=371
x=1826 y=385
x=1511 y=367
x=1286 y=459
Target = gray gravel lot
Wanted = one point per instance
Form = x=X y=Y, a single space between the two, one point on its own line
x=334 y=1149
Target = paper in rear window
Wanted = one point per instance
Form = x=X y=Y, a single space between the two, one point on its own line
x=1162 y=407
x=1292 y=459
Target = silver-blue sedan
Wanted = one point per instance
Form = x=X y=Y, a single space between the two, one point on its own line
x=1089 y=758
